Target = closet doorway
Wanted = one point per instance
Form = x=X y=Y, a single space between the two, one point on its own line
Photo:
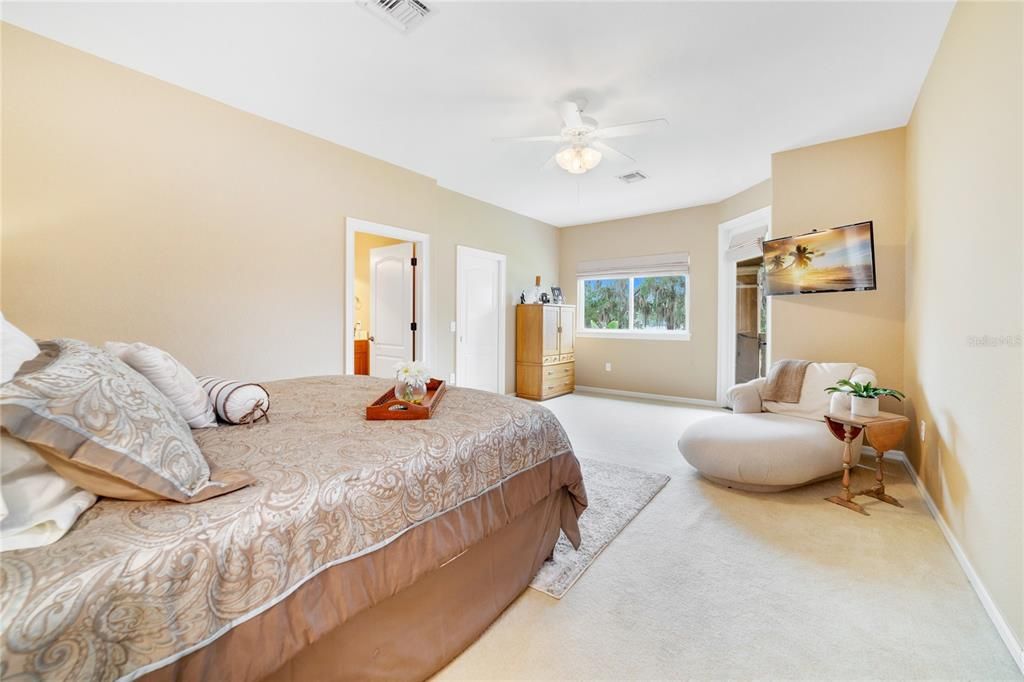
x=743 y=311
x=480 y=311
x=751 y=321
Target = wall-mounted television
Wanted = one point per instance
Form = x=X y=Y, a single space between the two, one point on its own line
x=840 y=259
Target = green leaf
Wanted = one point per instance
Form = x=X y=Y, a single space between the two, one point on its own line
x=866 y=390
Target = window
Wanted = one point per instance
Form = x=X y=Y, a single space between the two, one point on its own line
x=653 y=306
x=644 y=297
x=606 y=303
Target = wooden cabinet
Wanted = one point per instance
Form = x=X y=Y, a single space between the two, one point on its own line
x=362 y=357
x=545 y=350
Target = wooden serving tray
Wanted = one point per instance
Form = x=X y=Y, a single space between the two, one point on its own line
x=389 y=407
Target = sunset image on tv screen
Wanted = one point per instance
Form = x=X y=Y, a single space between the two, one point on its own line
x=841 y=259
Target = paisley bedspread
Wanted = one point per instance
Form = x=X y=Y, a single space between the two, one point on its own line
x=136 y=584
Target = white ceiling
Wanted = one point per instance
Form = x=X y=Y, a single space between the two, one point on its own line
x=737 y=81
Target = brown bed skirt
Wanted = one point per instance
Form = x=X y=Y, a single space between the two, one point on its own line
x=400 y=613
x=415 y=633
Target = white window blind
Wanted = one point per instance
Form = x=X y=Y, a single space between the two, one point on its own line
x=668 y=263
x=746 y=244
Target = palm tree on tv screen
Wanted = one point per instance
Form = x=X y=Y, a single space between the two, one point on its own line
x=804 y=255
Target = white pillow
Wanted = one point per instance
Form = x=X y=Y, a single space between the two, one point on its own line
x=237 y=402
x=39 y=505
x=18 y=347
x=171 y=378
x=33 y=497
x=814 y=402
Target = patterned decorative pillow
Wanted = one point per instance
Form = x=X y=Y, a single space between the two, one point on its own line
x=171 y=377
x=106 y=428
x=237 y=402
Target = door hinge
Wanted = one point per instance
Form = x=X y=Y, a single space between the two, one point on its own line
x=414 y=261
x=412 y=326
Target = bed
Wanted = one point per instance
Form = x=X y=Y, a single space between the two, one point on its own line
x=365 y=550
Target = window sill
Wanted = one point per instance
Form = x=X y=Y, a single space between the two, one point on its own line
x=632 y=335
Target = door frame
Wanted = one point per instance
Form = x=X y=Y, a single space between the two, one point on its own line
x=422 y=242
x=727 y=297
x=460 y=252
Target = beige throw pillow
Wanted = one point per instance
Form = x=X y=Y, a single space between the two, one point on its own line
x=106 y=428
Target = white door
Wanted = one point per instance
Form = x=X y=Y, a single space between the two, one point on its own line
x=391 y=297
x=480 y=320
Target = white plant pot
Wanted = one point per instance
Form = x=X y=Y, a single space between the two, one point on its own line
x=864 y=407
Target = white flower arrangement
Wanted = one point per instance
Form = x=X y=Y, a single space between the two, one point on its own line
x=412 y=373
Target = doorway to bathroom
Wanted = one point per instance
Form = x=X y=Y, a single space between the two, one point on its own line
x=386 y=297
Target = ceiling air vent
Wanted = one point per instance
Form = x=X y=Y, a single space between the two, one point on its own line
x=635 y=176
x=404 y=15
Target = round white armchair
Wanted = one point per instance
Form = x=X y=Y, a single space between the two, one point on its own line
x=768 y=446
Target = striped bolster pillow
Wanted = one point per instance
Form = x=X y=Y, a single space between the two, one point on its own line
x=236 y=402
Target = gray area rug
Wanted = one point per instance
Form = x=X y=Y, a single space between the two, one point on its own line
x=616 y=494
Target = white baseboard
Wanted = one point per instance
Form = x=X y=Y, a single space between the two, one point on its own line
x=1007 y=635
x=646 y=396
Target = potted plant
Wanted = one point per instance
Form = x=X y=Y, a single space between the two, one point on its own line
x=864 y=397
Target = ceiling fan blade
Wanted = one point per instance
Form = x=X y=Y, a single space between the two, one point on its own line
x=535 y=138
x=550 y=163
x=610 y=152
x=570 y=113
x=635 y=128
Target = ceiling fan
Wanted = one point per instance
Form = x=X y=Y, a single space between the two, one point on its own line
x=582 y=138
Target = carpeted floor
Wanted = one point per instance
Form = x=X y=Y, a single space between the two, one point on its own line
x=709 y=582
x=615 y=495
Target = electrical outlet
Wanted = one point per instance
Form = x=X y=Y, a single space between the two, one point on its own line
x=923 y=429
x=452 y=326
x=451 y=378
x=607 y=366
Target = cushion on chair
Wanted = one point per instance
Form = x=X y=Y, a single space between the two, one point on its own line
x=814 y=401
x=763 y=452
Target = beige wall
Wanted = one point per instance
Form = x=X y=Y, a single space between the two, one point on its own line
x=676 y=368
x=361 y=277
x=747 y=201
x=964 y=265
x=134 y=209
x=832 y=184
x=685 y=369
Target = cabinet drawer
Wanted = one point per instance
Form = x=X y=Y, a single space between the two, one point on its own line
x=567 y=357
x=560 y=385
x=557 y=372
x=551 y=359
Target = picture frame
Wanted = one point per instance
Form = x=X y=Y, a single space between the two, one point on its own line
x=556 y=295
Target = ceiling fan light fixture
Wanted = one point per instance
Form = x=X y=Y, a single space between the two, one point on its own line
x=578 y=159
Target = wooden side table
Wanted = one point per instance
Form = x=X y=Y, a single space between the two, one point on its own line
x=883 y=433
